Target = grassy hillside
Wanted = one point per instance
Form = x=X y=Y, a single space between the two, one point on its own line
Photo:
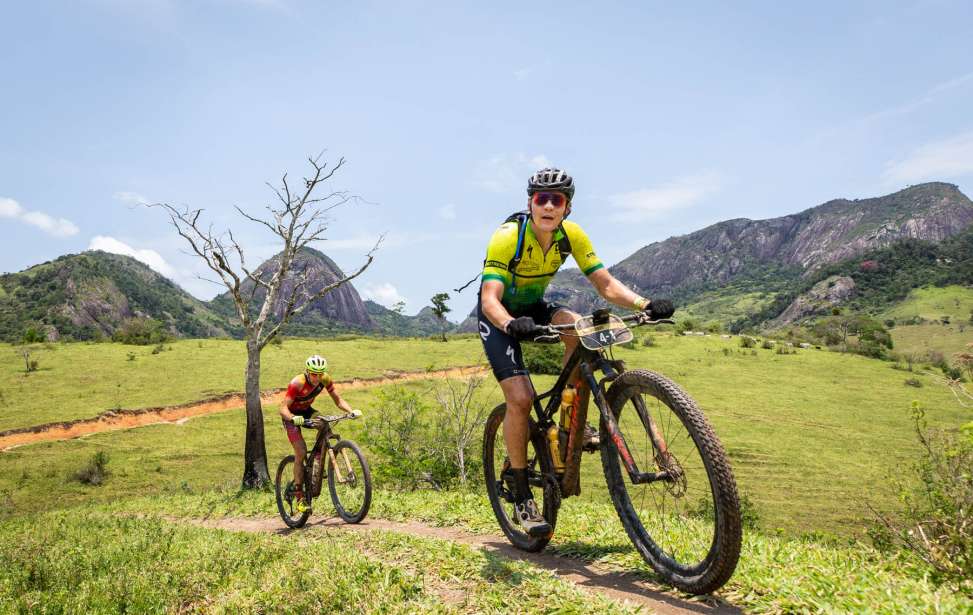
x=932 y=303
x=812 y=437
x=787 y=422
x=82 y=380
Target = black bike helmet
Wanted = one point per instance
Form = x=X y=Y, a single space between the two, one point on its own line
x=551 y=179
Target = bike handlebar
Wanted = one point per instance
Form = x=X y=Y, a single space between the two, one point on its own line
x=319 y=421
x=549 y=334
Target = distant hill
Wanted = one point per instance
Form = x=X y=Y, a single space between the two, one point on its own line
x=341 y=309
x=89 y=295
x=874 y=281
x=755 y=260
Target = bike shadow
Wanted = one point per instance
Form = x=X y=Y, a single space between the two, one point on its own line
x=637 y=586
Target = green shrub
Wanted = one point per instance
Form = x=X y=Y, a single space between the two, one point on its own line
x=33 y=335
x=913 y=382
x=766 y=344
x=543 y=358
x=648 y=341
x=935 y=524
x=141 y=332
x=747 y=342
x=405 y=448
x=95 y=472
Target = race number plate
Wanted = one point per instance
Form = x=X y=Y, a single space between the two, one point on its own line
x=595 y=337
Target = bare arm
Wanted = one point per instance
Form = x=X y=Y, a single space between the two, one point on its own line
x=339 y=401
x=490 y=295
x=615 y=292
x=285 y=412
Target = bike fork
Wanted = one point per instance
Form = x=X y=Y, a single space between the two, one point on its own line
x=658 y=442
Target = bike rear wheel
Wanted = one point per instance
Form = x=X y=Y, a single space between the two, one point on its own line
x=350 y=481
x=545 y=489
x=284 y=490
x=688 y=528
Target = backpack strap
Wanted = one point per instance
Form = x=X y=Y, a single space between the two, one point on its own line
x=312 y=394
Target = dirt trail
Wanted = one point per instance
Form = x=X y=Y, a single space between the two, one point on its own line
x=615 y=585
x=126 y=419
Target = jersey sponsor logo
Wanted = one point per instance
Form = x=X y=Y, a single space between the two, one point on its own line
x=484 y=330
x=526 y=267
x=590 y=255
x=510 y=353
x=497 y=265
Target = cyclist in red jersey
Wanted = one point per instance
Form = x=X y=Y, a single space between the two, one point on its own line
x=295 y=410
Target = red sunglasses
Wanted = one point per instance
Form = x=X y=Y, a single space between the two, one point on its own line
x=554 y=198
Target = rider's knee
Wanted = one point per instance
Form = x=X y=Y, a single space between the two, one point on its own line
x=520 y=401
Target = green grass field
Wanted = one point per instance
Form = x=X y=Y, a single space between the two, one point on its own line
x=814 y=431
x=82 y=380
x=812 y=437
x=932 y=303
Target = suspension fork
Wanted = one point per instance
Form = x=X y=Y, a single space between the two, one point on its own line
x=635 y=475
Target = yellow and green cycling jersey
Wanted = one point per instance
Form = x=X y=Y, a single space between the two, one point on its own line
x=525 y=285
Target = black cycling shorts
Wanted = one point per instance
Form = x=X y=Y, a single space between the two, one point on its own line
x=502 y=350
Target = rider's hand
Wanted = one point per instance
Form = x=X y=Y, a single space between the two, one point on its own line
x=355 y=414
x=521 y=328
x=298 y=420
x=660 y=308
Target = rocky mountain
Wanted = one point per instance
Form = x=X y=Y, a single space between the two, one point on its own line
x=774 y=252
x=341 y=309
x=90 y=295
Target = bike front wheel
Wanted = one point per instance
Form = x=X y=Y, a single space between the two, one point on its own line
x=349 y=481
x=687 y=525
x=499 y=490
x=284 y=490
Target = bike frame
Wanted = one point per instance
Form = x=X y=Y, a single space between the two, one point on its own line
x=589 y=362
x=322 y=442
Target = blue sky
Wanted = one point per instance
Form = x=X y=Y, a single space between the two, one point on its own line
x=669 y=117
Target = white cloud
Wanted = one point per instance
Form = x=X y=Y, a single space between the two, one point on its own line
x=385 y=294
x=133 y=198
x=150 y=257
x=680 y=193
x=948 y=158
x=58 y=227
x=507 y=173
x=448 y=211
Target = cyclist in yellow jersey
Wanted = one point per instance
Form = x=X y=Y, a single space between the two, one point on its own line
x=511 y=306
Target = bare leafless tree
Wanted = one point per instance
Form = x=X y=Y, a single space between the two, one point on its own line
x=297 y=219
x=461 y=420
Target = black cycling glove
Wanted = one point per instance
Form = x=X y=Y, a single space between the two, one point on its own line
x=522 y=328
x=660 y=308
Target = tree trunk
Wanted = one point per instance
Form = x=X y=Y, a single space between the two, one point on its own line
x=462 y=465
x=255 y=474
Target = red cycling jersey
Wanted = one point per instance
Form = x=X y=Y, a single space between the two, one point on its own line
x=303 y=392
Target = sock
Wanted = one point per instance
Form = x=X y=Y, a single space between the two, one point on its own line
x=521 y=486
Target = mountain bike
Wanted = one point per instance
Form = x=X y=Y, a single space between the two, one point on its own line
x=349 y=479
x=667 y=473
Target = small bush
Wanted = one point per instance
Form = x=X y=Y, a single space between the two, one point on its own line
x=403 y=445
x=727 y=352
x=543 y=358
x=95 y=472
x=131 y=356
x=158 y=348
x=33 y=335
x=784 y=349
x=141 y=332
x=913 y=382
x=936 y=521
x=766 y=344
x=648 y=341
x=747 y=342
